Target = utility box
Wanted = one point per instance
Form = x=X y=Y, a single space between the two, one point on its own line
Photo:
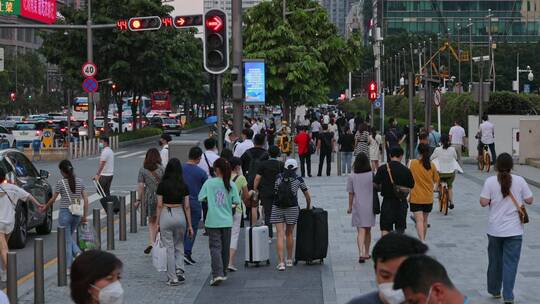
x=180 y=149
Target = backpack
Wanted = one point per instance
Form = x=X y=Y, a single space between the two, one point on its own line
x=253 y=167
x=285 y=195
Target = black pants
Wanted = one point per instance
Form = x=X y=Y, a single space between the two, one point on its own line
x=105 y=182
x=393 y=215
x=267 y=206
x=315 y=136
x=204 y=205
x=305 y=160
x=328 y=156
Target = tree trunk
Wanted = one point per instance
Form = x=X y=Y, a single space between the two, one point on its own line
x=134 y=110
x=120 y=107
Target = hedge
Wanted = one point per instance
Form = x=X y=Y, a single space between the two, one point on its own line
x=139 y=133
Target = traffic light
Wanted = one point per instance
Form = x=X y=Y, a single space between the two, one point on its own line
x=151 y=23
x=114 y=86
x=13 y=96
x=216 y=42
x=372 y=91
x=187 y=21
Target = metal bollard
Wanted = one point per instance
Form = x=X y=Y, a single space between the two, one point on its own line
x=39 y=274
x=122 y=223
x=61 y=253
x=110 y=226
x=338 y=163
x=12 y=277
x=132 y=212
x=97 y=226
x=143 y=213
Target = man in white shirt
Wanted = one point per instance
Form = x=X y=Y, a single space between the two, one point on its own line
x=246 y=144
x=105 y=170
x=315 y=129
x=352 y=125
x=457 y=139
x=486 y=133
x=255 y=127
x=209 y=157
x=164 y=153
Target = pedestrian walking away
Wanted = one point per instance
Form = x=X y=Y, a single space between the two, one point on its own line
x=361 y=140
x=486 y=136
x=394 y=180
x=305 y=148
x=457 y=140
x=164 y=153
x=360 y=189
x=209 y=156
x=174 y=217
x=73 y=206
x=424 y=280
x=285 y=209
x=393 y=137
x=95 y=278
x=388 y=254
x=194 y=178
x=325 y=147
x=238 y=211
x=505 y=194
x=246 y=144
x=105 y=172
x=434 y=138
x=346 y=148
x=149 y=178
x=425 y=176
x=315 y=129
x=375 y=149
x=222 y=195
x=265 y=181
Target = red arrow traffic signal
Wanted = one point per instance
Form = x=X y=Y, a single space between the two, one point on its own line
x=216 y=42
x=187 y=21
x=372 y=90
x=214 y=23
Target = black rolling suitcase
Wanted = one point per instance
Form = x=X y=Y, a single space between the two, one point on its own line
x=312 y=235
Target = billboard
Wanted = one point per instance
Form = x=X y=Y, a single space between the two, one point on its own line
x=10 y=7
x=254 y=81
x=43 y=11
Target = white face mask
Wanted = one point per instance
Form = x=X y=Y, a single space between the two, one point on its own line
x=390 y=295
x=111 y=294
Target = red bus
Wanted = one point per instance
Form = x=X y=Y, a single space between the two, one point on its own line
x=161 y=101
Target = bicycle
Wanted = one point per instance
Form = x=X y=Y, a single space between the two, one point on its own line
x=484 y=159
x=443 y=198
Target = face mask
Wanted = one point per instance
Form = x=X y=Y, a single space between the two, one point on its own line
x=111 y=294
x=390 y=295
x=101 y=145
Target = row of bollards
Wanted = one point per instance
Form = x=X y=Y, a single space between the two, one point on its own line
x=39 y=268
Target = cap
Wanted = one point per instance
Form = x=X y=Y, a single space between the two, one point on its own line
x=291 y=163
x=166 y=137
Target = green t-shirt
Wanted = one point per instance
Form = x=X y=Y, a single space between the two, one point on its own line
x=220 y=202
x=240 y=182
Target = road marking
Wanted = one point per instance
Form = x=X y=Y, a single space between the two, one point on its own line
x=132 y=154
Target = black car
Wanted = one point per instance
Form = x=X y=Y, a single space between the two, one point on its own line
x=168 y=125
x=22 y=173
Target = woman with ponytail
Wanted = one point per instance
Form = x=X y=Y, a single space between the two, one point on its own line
x=71 y=190
x=222 y=196
x=504 y=194
x=421 y=199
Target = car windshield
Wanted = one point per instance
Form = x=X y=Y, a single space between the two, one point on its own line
x=25 y=127
x=169 y=121
x=98 y=123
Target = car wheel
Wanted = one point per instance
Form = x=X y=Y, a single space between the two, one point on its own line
x=20 y=232
x=46 y=226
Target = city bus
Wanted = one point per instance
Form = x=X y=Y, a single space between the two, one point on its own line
x=161 y=101
x=79 y=110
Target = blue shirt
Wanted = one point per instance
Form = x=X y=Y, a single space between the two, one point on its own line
x=194 y=178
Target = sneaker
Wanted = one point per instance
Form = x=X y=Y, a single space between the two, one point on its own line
x=188 y=260
x=289 y=263
x=148 y=250
x=451 y=205
x=179 y=271
x=216 y=281
x=232 y=268
x=181 y=278
x=281 y=267
x=496 y=296
x=173 y=283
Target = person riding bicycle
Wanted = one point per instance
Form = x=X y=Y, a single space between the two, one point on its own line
x=486 y=137
x=445 y=160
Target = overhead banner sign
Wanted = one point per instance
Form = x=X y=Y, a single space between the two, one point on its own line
x=43 y=11
x=254 y=81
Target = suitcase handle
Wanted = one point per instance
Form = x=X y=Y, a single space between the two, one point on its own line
x=99 y=188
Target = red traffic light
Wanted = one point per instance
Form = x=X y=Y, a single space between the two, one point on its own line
x=214 y=23
x=12 y=96
x=136 y=24
x=114 y=86
x=372 y=91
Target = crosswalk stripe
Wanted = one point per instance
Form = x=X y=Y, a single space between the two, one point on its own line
x=132 y=154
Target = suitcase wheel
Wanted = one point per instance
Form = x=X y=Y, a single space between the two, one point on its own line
x=267 y=262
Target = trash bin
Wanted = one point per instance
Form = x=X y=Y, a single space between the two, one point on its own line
x=180 y=149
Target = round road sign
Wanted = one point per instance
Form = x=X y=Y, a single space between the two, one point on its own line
x=89 y=69
x=90 y=85
x=437 y=97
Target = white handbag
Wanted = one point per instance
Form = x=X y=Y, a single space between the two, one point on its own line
x=76 y=206
x=159 y=254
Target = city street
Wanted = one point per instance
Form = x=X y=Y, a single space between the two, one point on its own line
x=458 y=240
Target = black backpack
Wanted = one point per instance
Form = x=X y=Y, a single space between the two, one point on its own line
x=285 y=195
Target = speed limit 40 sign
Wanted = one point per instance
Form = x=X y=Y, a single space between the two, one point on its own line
x=89 y=69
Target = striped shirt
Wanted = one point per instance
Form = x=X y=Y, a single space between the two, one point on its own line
x=64 y=196
x=296 y=184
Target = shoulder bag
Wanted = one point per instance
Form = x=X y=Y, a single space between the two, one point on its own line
x=376 y=201
x=523 y=215
x=210 y=168
x=401 y=192
x=76 y=206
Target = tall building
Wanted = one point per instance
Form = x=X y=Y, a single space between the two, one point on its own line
x=355 y=22
x=226 y=5
x=337 y=12
x=512 y=21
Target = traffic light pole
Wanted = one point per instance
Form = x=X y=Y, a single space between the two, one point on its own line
x=237 y=90
x=411 y=115
x=90 y=58
x=219 y=111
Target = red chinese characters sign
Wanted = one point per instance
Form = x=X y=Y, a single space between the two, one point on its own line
x=39 y=10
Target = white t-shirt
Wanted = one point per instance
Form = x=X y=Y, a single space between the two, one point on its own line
x=503 y=215
x=256 y=129
x=164 y=153
x=326 y=119
x=107 y=155
x=243 y=147
x=211 y=156
x=457 y=133
x=315 y=126
x=351 y=124
x=7 y=206
x=227 y=133
x=487 y=129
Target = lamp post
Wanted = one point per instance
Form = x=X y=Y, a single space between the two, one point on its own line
x=470 y=26
x=530 y=76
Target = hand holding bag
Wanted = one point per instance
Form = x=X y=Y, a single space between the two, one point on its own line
x=87 y=237
x=159 y=254
x=523 y=215
x=76 y=205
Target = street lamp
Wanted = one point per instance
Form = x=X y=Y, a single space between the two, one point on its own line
x=530 y=76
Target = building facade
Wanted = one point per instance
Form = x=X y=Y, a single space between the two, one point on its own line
x=511 y=21
x=338 y=10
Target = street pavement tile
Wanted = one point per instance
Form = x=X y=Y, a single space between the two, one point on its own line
x=530 y=274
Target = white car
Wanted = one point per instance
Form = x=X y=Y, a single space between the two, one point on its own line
x=26 y=132
x=127 y=126
x=6 y=134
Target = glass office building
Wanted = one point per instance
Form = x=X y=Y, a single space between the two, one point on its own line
x=512 y=21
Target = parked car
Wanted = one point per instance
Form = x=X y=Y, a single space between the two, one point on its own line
x=7 y=135
x=24 y=174
x=167 y=125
